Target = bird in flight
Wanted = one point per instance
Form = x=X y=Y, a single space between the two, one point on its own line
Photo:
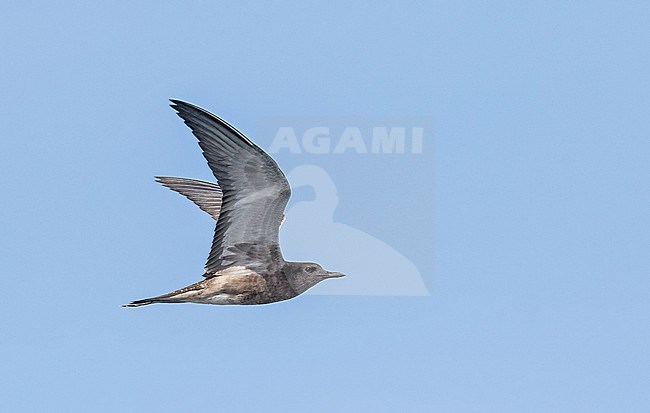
x=245 y=265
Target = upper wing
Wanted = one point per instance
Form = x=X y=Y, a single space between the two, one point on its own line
x=255 y=191
x=206 y=195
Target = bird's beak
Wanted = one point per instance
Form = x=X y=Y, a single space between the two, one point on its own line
x=334 y=274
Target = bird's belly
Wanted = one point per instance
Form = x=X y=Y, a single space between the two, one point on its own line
x=222 y=299
x=240 y=299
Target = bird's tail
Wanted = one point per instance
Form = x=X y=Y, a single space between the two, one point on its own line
x=139 y=303
x=173 y=297
x=179 y=296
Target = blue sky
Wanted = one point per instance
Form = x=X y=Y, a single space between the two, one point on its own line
x=526 y=213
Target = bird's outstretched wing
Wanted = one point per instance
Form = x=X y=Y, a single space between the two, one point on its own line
x=206 y=195
x=255 y=191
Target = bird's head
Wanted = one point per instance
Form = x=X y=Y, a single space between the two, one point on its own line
x=304 y=275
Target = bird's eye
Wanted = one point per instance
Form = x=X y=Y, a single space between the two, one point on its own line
x=310 y=269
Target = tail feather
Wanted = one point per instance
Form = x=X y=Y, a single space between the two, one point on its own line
x=165 y=298
x=183 y=295
x=139 y=303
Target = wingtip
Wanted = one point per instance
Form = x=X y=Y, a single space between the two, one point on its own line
x=187 y=111
x=164 y=181
x=176 y=104
x=182 y=108
x=161 y=180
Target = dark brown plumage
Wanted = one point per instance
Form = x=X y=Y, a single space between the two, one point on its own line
x=245 y=264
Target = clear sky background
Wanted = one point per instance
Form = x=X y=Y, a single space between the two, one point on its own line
x=528 y=213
